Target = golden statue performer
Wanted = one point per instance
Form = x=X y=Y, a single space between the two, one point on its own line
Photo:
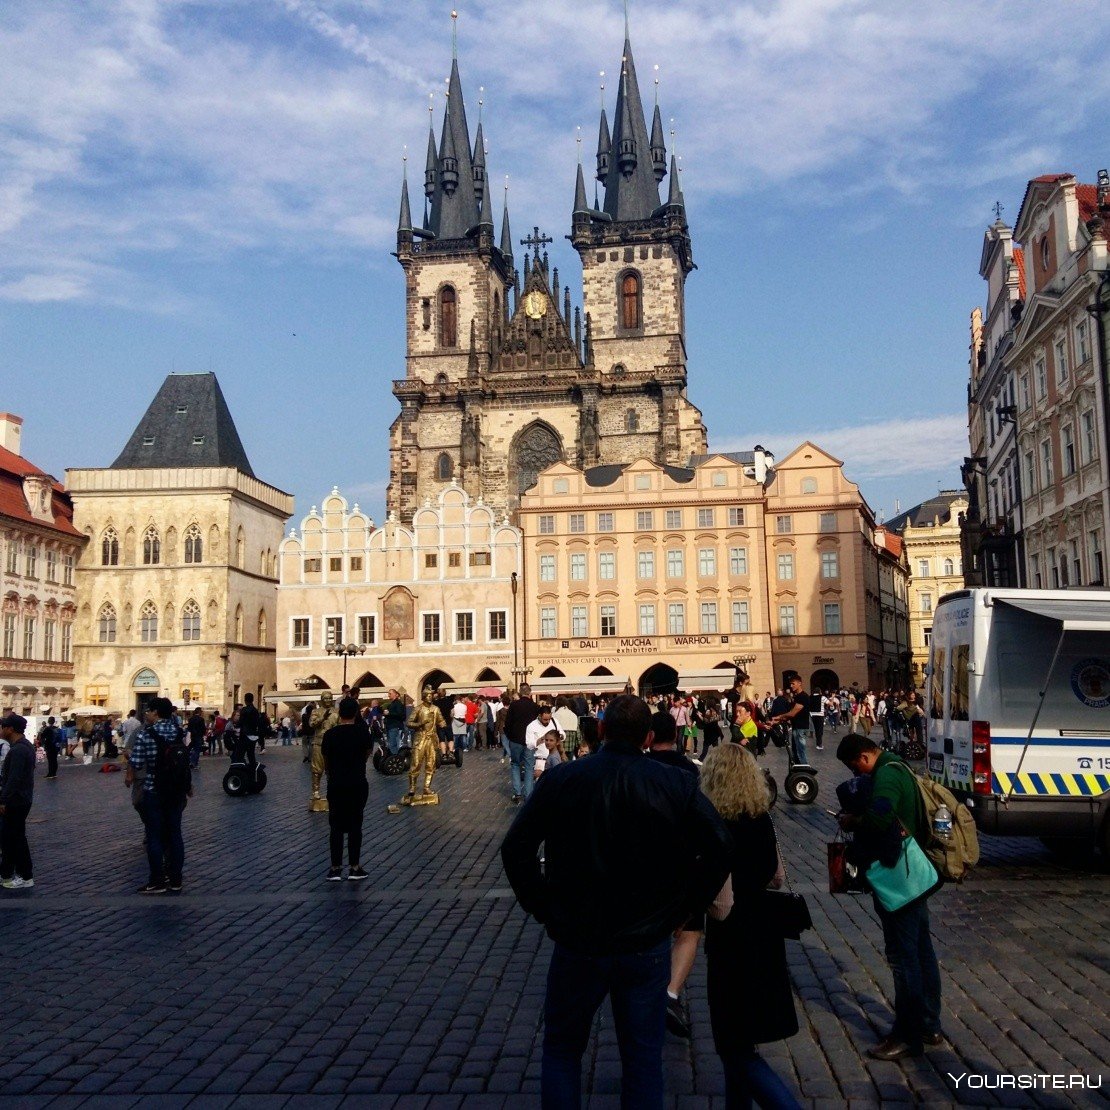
x=425 y=723
x=323 y=717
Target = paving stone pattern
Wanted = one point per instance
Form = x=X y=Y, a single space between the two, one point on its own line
x=264 y=985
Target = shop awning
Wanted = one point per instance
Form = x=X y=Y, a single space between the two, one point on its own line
x=580 y=684
x=1082 y=614
x=720 y=679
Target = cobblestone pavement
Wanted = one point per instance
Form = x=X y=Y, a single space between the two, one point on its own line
x=264 y=985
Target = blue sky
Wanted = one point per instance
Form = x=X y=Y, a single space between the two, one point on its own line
x=190 y=186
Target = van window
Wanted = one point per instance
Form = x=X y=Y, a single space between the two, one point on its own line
x=958 y=698
x=936 y=686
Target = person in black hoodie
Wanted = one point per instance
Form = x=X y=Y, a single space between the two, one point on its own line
x=17 y=792
x=633 y=850
x=251 y=729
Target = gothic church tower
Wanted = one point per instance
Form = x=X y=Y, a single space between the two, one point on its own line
x=493 y=394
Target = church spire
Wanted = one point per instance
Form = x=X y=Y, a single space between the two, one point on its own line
x=506 y=234
x=675 y=199
x=631 y=189
x=404 y=223
x=604 y=141
x=581 y=204
x=658 y=146
x=431 y=166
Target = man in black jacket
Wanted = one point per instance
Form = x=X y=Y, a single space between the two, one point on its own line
x=17 y=792
x=250 y=730
x=633 y=849
x=522 y=759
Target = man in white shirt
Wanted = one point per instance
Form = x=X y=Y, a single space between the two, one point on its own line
x=567 y=720
x=537 y=730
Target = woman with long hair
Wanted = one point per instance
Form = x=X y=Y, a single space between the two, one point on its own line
x=750 y=999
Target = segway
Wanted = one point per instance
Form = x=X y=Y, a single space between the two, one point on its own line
x=390 y=763
x=450 y=759
x=242 y=778
x=801 y=779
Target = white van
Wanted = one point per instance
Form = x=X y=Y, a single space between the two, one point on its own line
x=1018 y=705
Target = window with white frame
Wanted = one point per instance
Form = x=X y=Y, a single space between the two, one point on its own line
x=9 y=636
x=674 y=518
x=1035 y=571
x=1024 y=391
x=547 y=568
x=784 y=524
x=647 y=620
x=547 y=622
x=32 y=561
x=194 y=545
x=148 y=623
x=51 y=565
x=28 y=637
x=832 y=618
x=708 y=616
x=785 y=564
x=498 y=624
x=741 y=617
x=464 y=627
x=676 y=618
x=302 y=631
x=579 y=621
x=1094 y=547
x=707 y=562
x=830 y=564
x=1088 y=447
x=190 y=623
x=578 y=566
x=152 y=547
x=1030 y=473
x=1076 y=563
x=431 y=630
x=333 y=631
x=547 y=524
x=676 y=563
x=1040 y=376
x=576 y=523
x=1067 y=449
x=608 y=620
x=645 y=564
x=607 y=565
x=67 y=642
x=49 y=638
x=705 y=518
x=949 y=567
x=67 y=570
x=12 y=560
x=738 y=560
x=827 y=522
x=1082 y=342
x=644 y=520
x=1053 y=569
x=736 y=516
x=1046 y=462
x=367 y=629
x=787 y=620
x=1061 y=352
x=106 y=625
x=605 y=522
x=926 y=603
x=922 y=568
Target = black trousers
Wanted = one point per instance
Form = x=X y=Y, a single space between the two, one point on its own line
x=51 y=761
x=345 y=819
x=15 y=853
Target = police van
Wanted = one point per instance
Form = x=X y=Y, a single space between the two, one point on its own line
x=1018 y=705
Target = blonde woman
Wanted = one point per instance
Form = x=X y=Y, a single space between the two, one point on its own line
x=750 y=1000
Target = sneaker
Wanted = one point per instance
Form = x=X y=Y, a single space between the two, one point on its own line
x=694 y=759
x=14 y=883
x=174 y=886
x=335 y=875
x=933 y=1040
x=357 y=873
x=153 y=888
x=516 y=799
x=676 y=1019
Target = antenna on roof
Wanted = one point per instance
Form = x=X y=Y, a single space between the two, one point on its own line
x=626 y=18
x=454 y=35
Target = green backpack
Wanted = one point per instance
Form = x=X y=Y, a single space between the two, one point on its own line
x=956 y=855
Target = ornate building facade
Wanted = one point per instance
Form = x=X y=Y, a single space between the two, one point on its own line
x=502 y=377
x=178 y=582
x=40 y=548
x=429 y=602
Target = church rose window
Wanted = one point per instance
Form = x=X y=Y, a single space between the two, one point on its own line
x=448 y=318
x=535 y=450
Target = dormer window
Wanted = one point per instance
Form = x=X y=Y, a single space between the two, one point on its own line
x=198 y=441
x=182 y=410
x=148 y=441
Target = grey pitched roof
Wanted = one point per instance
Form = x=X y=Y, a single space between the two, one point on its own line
x=607 y=474
x=744 y=458
x=455 y=212
x=187 y=424
x=939 y=507
x=635 y=195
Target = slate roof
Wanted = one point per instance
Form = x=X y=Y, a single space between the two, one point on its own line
x=188 y=424
x=606 y=475
x=13 y=469
x=922 y=515
x=744 y=458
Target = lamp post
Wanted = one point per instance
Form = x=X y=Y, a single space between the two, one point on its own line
x=345 y=651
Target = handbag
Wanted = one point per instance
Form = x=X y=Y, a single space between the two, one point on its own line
x=844 y=876
x=786 y=912
x=911 y=877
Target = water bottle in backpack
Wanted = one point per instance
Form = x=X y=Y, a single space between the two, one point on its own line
x=942 y=823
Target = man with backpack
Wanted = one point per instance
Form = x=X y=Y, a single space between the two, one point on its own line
x=159 y=755
x=894 y=810
x=50 y=740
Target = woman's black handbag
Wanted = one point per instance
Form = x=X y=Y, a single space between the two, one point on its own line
x=787 y=912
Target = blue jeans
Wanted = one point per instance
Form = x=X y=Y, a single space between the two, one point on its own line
x=913 y=963
x=749 y=1078
x=505 y=745
x=798 y=744
x=165 y=848
x=522 y=768
x=576 y=986
x=393 y=738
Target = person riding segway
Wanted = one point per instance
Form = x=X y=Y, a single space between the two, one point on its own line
x=801 y=777
x=246 y=775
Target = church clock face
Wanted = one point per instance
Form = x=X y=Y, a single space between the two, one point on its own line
x=535 y=305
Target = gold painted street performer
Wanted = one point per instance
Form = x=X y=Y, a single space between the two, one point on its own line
x=324 y=716
x=425 y=723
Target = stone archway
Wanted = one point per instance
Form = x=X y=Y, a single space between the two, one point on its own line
x=824 y=679
x=658 y=679
x=536 y=448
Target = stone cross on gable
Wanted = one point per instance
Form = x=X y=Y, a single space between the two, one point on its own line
x=536 y=240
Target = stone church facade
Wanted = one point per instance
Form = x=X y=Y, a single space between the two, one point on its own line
x=502 y=377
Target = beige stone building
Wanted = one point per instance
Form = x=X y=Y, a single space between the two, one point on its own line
x=429 y=602
x=661 y=576
x=931 y=535
x=178 y=582
x=495 y=392
x=39 y=549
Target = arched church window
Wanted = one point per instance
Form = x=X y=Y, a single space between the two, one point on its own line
x=632 y=421
x=262 y=628
x=190 y=620
x=630 y=302
x=106 y=624
x=152 y=547
x=445 y=468
x=535 y=449
x=239 y=624
x=241 y=549
x=148 y=623
x=194 y=545
x=109 y=548
x=496 y=308
x=448 y=317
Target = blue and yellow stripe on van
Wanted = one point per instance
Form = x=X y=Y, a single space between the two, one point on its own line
x=1080 y=785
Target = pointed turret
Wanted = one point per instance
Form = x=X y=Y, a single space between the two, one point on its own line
x=675 y=199
x=448 y=159
x=431 y=166
x=604 y=148
x=506 y=234
x=455 y=197
x=479 y=165
x=658 y=147
x=404 y=223
x=485 y=220
x=631 y=190
x=581 y=204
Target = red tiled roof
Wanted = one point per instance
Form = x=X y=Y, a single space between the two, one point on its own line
x=1048 y=178
x=1019 y=262
x=13 y=469
x=1087 y=195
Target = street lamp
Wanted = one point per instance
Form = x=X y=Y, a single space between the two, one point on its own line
x=346 y=651
x=742 y=662
x=516 y=641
